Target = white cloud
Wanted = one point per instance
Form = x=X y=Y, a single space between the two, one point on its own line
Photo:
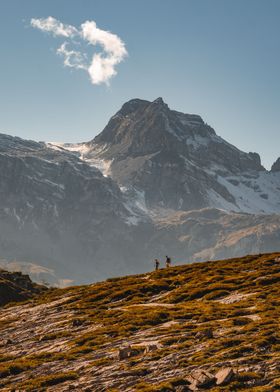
x=72 y=58
x=52 y=25
x=101 y=67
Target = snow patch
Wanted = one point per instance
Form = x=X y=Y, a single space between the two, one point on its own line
x=259 y=195
x=253 y=194
x=87 y=154
x=135 y=204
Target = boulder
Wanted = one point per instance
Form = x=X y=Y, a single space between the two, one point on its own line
x=206 y=333
x=201 y=379
x=124 y=352
x=77 y=322
x=150 y=347
x=224 y=376
x=43 y=338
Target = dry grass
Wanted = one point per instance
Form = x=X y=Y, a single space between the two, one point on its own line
x=247 y=329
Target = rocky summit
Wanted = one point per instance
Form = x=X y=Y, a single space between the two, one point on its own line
x=205 y=326
x=178 y=161
x=155 y=181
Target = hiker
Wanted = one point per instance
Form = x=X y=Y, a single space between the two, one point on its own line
x=156 y=264
x=167 y=261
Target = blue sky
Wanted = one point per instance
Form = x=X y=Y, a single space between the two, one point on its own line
x=216 y=58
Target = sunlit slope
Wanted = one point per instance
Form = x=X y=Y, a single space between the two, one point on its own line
x=170 y=330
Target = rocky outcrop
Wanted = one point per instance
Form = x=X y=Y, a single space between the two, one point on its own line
x=201 y=379
x=15 y=287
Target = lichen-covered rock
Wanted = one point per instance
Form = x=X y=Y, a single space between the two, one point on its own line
x=125 y=352
x=224 y=375
x=201 y=379
x=150 y=348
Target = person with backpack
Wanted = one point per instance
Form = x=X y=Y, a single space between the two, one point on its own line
x=167 y=261
x=156 y=264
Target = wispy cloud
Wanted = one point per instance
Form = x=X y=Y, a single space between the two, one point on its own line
x=101 y=66
x=72 y=58
x=54 y=26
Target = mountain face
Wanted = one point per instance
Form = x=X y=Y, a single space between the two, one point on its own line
x=210 y=326
x=154 y=182
x=178 y=162
x=56 y=210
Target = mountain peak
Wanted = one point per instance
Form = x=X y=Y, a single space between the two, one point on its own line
x=131 y=106
x=143 y=127
x=137 y=104
x=159 y=101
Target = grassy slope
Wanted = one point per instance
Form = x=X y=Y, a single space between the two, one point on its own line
x=72 y=336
